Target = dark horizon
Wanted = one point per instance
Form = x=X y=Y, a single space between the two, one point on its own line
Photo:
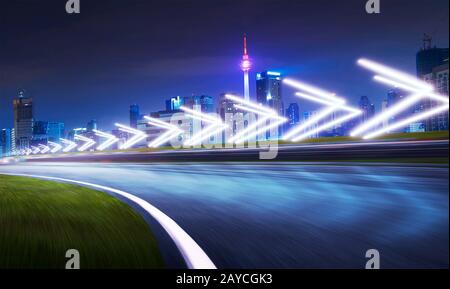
x=116 y=53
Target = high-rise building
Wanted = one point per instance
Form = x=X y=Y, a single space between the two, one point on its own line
x=91 y=125
x=44 y=131
x=55 y=131
x=245 y=66
x=6 y=142
x=429 y=57
x=205 y=102
x=432 y=66
x=226 y=106
x=306 y=116
x=174 y=103
x=367 y=108
x=293 y=115
x=23 y=120
x=268 y=90
x=134 y=115
x=40 y=132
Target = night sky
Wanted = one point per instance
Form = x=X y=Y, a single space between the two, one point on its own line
x=95 y=64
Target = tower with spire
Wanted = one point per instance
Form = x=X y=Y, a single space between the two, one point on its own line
x=245 y=66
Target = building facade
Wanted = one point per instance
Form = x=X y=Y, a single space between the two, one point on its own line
x=23 y=120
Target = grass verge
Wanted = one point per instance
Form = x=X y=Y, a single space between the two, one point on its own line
x=40 y=220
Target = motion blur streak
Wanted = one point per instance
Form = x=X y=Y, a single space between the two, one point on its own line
x=290 y=215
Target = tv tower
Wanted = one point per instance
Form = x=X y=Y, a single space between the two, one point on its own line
x=245 y=66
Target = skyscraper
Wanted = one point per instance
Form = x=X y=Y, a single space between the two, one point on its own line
x=429 y=57
x=245 y=66
x=23 y=120
x=91 y=125
x=55 y=131
x=432 y=66
x=134 y=115
x=6 y=142
x=367 y=108
x=206 y=102
x=174 y=103
x=293 y=115
x=268 y=90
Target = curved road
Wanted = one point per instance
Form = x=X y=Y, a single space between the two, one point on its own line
x=289 y=215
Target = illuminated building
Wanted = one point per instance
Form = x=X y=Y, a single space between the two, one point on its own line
x=134 y=115
x=23 y=120
x=293 y=115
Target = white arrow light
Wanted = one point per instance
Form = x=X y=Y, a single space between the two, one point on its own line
x=70 y=145
x=138 y=136
x=111 y=139
x=417 y=87
x=56 y=147
x=216 y=126
x=172 y=131
x=44 y=149
x=332 y=103
x=87 y=142
x=35 y=150
x=260 y=126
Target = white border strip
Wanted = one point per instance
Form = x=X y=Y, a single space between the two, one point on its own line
x=193 y=255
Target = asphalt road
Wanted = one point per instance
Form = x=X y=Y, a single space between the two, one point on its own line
x=289 y=215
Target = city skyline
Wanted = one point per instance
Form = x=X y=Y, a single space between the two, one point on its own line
x=222 y=61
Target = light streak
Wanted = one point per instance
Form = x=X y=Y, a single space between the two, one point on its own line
x=390 y=112
x=56 y=147
x=173 y=131
x=216 y=126
x=44 y=149
x=110 y=139
x=70 y=145
x=266 y=114
x=405 y=122
x=326 y=126
x=35 y=150
x=395 y=74
x=419 y=88
x=320 y=96
x=87 y=142
x=138 y=135
x=313 y=90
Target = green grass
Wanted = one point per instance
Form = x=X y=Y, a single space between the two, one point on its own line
x=40 y=220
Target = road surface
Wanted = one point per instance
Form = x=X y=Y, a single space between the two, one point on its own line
x=289 y=215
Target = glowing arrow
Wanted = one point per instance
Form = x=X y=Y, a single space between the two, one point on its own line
x=138 y=135
x=56 y=147
x=87 y=142
x=216 y=126
x=35 y=150
x=332 y=104
x=44 y=149
x=417 y=87
x=172 y=131
x=70 y=145
x=260 y=126
x=28 y=151
x=111 y=139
